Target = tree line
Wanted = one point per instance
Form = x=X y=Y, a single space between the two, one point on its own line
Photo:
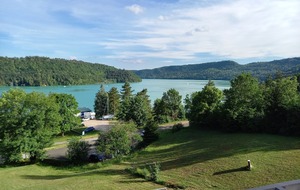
x=40 y=71
x=223 y=70
x=272 y=106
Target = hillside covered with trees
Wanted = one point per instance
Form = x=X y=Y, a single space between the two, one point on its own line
x=223 y=70
x=39 y=71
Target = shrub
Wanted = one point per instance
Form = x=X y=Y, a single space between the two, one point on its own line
x=149 y=171
x=77 y=150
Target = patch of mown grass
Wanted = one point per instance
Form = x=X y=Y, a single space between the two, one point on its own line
x=201 y=159
x=56 y=176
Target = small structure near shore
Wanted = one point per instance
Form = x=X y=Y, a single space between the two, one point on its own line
x=86 y=113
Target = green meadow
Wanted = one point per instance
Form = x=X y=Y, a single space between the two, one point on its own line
x=190 y=159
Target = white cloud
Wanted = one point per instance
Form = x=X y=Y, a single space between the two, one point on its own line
x=234 y=29
x=136 y=9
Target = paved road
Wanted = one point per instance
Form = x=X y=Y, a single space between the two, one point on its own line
x=60 y=153
x=103 y=125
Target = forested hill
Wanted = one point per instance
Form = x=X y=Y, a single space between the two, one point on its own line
x=223 y=70
x=39 y=71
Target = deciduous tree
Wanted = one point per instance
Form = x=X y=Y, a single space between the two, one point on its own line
x=68 y=108
x=27 y=124
x=205 y=105
x=244 y=105
x=120 y=140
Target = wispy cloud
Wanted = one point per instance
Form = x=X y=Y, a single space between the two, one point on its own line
x=136 y=9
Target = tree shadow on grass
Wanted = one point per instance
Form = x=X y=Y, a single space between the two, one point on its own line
x=191 y=146
x=75 y=174
x=241 y=169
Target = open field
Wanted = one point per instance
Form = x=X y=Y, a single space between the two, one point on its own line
x=198 y=159
x=190 y=158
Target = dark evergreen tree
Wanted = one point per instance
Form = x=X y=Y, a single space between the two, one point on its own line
x=140 y=108
x=101 y=103
x=114 y=100
x=125 y=106
x=160 y=111
x=126 y=91
x=150 y=133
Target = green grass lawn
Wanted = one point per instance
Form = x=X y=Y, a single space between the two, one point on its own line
x=89 y=177
x=194 y=159
x=199 y=159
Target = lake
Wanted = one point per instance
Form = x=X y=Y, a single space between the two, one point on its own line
x=85 y=94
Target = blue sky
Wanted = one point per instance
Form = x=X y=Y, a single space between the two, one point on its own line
x=140 y=34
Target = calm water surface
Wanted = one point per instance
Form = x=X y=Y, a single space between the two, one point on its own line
x=85 y=94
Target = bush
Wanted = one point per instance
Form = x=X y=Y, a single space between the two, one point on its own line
x=120 y=140
x=177 y=127
x=149 y=171
x=77 y=150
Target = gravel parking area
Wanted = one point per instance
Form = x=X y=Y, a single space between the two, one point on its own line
x=101 y=125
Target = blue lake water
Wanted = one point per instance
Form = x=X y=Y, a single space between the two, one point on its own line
x=85 y=94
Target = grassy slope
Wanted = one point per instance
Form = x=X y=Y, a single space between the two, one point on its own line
x=50 y=178
x=192 y=158
x=207 y=159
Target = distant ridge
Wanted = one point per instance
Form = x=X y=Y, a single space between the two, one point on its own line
x=40 y=71
x=223 y=70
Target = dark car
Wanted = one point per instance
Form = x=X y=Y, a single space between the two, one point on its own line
x=89 y=129
x=96 y=158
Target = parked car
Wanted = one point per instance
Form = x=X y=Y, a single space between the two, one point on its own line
x=89 y=129
x=96 y=158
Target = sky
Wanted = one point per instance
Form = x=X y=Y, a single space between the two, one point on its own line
x=145 y=34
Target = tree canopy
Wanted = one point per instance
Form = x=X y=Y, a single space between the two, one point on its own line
x=39 y=71
x=27 y=124
x=223 y=70
x=120 y=140
x=272 y=106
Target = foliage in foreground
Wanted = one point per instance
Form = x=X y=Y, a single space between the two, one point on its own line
x=77 y=150
x=27 y=124
x=120 y=140
x=28 y=121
